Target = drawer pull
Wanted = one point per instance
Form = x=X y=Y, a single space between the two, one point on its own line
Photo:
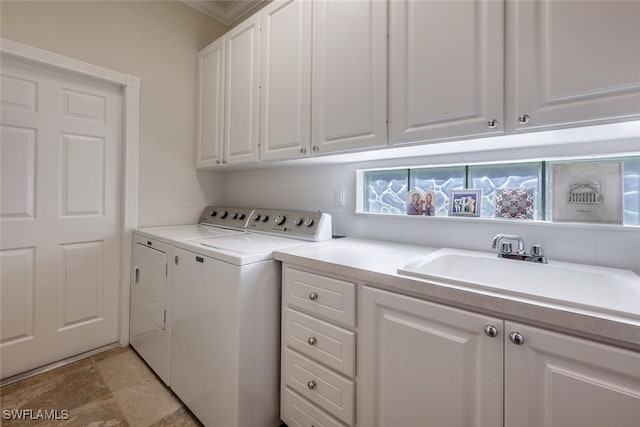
x=313 y=296
x=311 y=384
x=312 y=340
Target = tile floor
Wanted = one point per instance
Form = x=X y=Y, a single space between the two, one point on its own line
x=114 y=388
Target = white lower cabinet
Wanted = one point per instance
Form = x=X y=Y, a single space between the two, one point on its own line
x=318 y=350
x=552 y=379
x=425 y=364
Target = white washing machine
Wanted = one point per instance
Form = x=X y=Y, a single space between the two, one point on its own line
x=205 y=309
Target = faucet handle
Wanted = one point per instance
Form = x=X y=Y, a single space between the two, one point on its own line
x=536 y=250
x=506 y=248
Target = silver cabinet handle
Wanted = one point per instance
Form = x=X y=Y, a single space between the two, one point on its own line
x=303 y=150
x=524 y=119
x=217 y=162
x=492 y=123
x=176 y=260
x=224 y=162
x=315 y=148
x=313 y=296
x=491 y=331
x=312 y=340
x=137 y=275
x=311 y=384
x=517 y=338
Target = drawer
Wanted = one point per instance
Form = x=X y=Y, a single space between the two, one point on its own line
x=327 y=389
x=328 y=344
x=323 y=296
x=297 y=411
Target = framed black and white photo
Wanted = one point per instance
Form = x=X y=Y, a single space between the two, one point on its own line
x=465 y=202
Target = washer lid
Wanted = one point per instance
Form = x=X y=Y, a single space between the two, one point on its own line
x=247 y=247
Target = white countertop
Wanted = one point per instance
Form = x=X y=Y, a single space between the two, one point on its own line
x=376 y=263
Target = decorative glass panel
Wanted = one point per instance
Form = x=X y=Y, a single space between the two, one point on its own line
x=632 y=191
x=440 y=180
x=386 y=191
x=489 y=178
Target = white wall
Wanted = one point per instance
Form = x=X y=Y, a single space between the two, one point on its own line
x=157 y=41
x=313 y=188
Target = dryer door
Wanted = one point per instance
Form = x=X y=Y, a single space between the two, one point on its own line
x=149 y=331
x=149 y=289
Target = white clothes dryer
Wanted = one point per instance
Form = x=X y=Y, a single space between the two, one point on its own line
x=220 y=346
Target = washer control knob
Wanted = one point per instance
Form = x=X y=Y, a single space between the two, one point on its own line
x=297 y=221
x=280 y=219
x=241 y=216
x=255 y=217
x=234 y=215
x=224 y=214
x=308 y=222
x=213 y=213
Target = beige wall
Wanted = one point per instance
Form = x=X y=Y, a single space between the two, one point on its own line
x=157 y=41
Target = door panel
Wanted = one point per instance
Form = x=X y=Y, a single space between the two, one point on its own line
x=242 y=50
x=211 y=105
x=285 y=80
x=61 y=165
x=421 y=363
x=572 y=63
x=558 y=380
x=349 y=75
x=445 y=69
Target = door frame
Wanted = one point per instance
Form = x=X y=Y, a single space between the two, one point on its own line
x=129 y=172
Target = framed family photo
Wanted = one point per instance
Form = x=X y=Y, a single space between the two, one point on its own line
x=465 y=202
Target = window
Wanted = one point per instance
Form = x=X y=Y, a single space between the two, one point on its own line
x=385 y=191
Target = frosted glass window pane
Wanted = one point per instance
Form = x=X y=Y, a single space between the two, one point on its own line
x=488 y=178
x=386 y=191
x=632 y=191
x=440 y=180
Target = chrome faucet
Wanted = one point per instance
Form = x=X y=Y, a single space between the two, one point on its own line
x=506 y=249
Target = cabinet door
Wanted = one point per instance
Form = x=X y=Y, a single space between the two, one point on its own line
x=349 y=75
x=572 y=63
x=557 y=380
x=241 y=102
x=424 y=364
x=445 y=69
x=285 y=80
x=210 y=105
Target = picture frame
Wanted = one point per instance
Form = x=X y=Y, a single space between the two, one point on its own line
x=588 y=192
x=415 y=202
x=430 y=203
x=465 y=202
x=515 y=203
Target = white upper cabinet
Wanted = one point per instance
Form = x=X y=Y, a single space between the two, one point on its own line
x=210 y=105
x=349 y=98
x=242 y=50
x=445 y=69
x=572 y=63
x=285 y=80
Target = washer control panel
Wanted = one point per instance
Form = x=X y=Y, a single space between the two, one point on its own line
x=225 y=216
x=306 y=225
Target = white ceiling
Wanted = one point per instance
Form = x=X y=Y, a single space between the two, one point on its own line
x=225 y=11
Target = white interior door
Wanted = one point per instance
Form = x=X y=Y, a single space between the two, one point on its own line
x=60 y=215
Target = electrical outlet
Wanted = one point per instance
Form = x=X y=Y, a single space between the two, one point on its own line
x=339 y=197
